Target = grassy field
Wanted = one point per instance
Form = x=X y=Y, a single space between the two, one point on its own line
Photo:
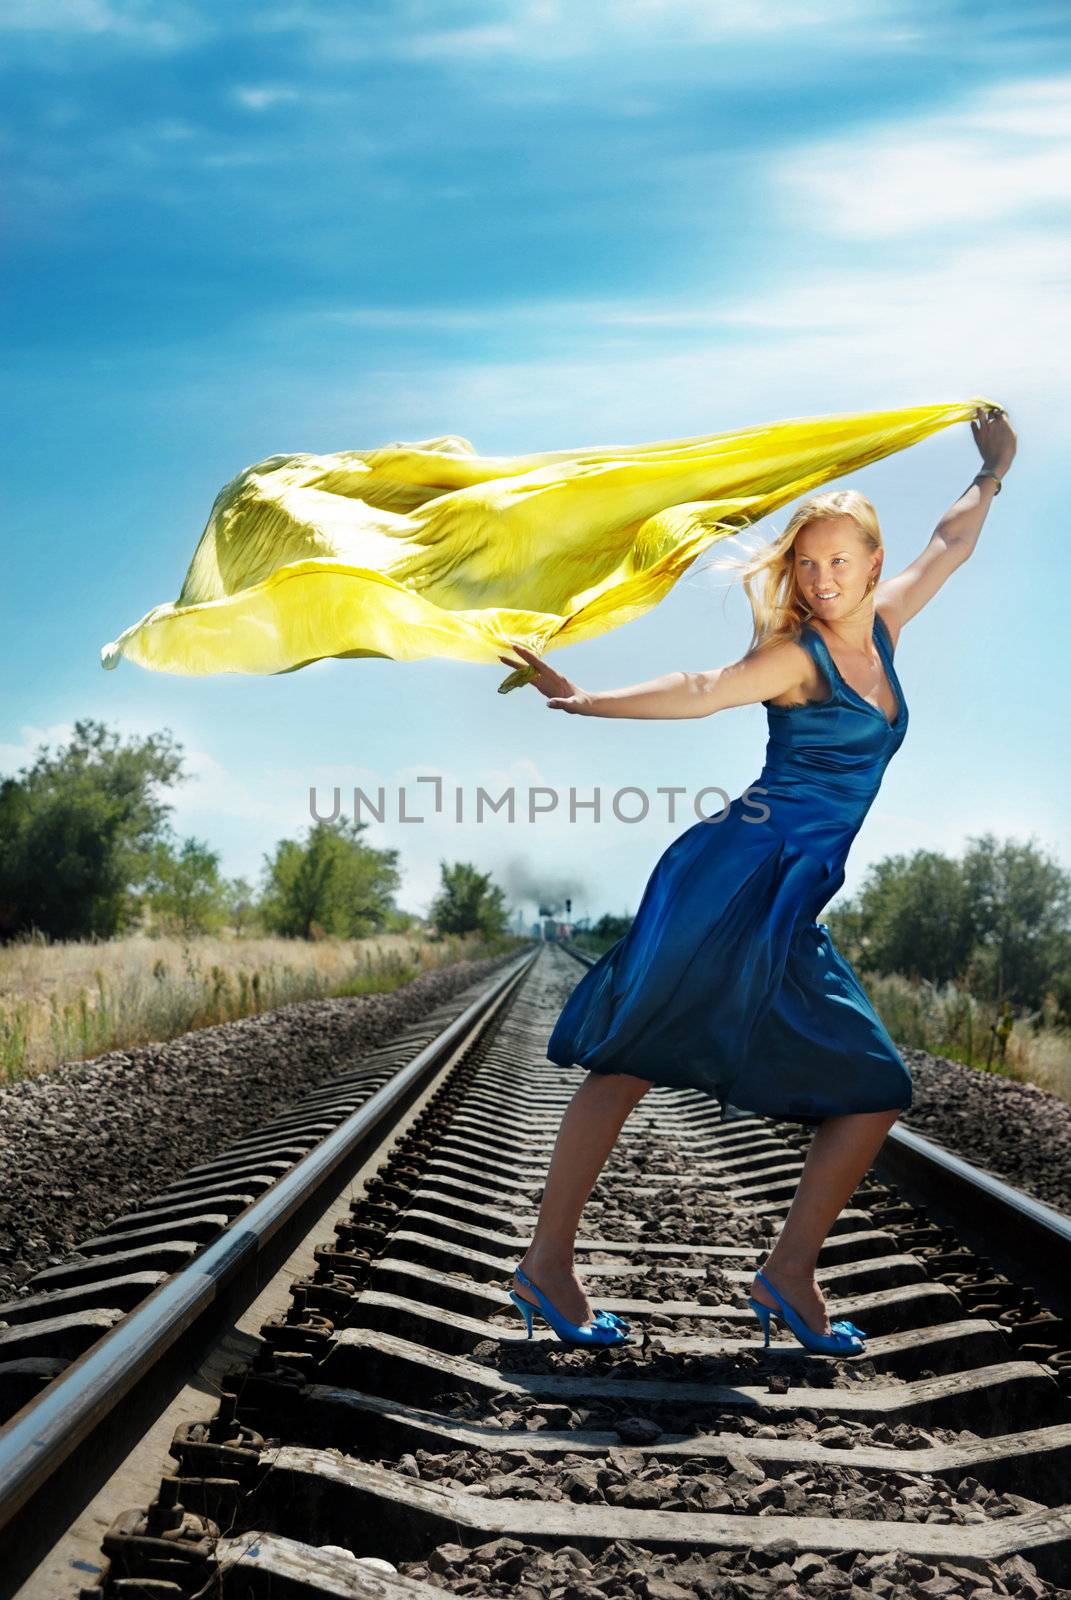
x=67 y=1002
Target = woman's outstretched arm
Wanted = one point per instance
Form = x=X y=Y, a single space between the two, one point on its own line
x=760 y=675
x=956 y=534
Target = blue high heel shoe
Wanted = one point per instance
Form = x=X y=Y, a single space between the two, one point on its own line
x=604 y=1329
x=610 y=1317
x=845 y=1340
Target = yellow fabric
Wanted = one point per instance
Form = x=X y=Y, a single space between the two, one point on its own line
x=428 y=549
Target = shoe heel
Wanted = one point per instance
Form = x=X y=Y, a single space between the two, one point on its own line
x=763 y=1313
x=845 y=1339
x=602 y=1331
x=526 y=1310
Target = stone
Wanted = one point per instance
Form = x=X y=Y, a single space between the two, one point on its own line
x=745 y=1468
x=638 y=1430
x=836 y=1439
x=497 y=1549
x=582 y=1483
x=569 y=1555
x=445 y=1556
x=966 y=1577
x=509 y=1569
x=643 y=1496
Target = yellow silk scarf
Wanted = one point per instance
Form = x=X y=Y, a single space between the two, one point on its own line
x=428 y=549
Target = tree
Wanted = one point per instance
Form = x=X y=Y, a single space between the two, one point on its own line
x=184 y=886
x=468 y=902
x=402 y=922
x=612 y=927
x=911 y=917
x=332 y=883
x=1019 y=905
x=998 y=922
x=77 y=832
x=240 y=903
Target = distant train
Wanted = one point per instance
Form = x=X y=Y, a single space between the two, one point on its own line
x=553 y=929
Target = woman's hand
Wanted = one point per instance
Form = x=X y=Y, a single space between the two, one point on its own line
x=996 y=441
x=563 y=695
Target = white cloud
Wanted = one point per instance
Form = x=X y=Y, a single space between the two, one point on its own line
x=215 y=791
x=1004 y=153
x=550 y=30
x=445 y=319
x=973 y=308
x=495 y=40
x=150 y=23
x=955 y=321
x=263 y=96
x=13 y=756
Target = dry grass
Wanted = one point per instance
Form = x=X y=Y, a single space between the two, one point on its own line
x=67 y=1002
x=1043 y=1058
x=949 y=1021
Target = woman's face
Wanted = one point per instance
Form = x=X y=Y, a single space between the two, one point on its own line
x=833 y=565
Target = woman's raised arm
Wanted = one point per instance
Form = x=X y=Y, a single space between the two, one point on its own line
x=760 y=675
x=956 y=534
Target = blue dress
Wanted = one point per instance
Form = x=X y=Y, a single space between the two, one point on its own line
x=725 y=982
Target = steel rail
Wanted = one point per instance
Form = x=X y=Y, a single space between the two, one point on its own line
x=39 y=1438
x=1027 y=1239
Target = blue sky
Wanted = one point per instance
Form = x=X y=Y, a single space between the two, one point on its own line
x=234 y=231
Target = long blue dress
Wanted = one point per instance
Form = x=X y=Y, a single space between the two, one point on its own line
x=725 y=982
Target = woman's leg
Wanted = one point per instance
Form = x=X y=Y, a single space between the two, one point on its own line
x=589 y=1128
x=840 y=1154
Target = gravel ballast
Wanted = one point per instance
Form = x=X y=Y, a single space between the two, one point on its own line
x=624 y=1571
x=1014 y=1130
x=91 y=1139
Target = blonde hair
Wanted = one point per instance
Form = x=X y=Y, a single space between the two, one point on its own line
x=778 y=610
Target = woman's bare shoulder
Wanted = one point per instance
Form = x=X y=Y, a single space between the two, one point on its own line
x=808 y=683
x=889 y=613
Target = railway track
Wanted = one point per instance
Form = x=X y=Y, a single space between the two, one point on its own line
x=314 y=1330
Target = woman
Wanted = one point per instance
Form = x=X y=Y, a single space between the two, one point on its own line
x=725 y=981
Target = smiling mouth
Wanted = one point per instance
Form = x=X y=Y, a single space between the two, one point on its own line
x=831 y=596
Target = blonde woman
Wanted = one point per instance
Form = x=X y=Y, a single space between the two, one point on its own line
x=725 y=981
